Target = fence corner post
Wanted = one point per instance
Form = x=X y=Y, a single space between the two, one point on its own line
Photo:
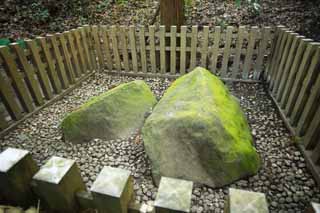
x=113 y=190
x=57 y=183
x=16 y=171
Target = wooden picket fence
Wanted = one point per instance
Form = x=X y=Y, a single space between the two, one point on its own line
x=293 y=76
x=34 y=77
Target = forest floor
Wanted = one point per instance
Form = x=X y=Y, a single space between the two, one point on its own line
x=30 y=18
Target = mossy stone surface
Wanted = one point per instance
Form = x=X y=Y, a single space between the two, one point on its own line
x=198 y=132
x=114 y=114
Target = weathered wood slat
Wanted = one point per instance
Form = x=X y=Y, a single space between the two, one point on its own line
x=248 y=60
x=311 y=137
x=315 y=157
x=262 y=52
x=163 y=66
x=35 y=89
x=55 y=81
x=66 y=58
x=86 y=48
x=236 y=63
x=283 y=60
x=215 y=49
x=132 y=36
x=9 y=99
x=72 y=50
x=288 y=65
x=274 y=51
x=194 y=44
x=226 y=54
x=17 y=80
x=307 y=83
x=124 y=47
x=3 y=122
x=173 y=45
x=143 y=54
x=59 y=62
x=97 y=45
x=204 y=49
x=152 y=49
x=310 y=107
x=299 y=79
x=80 y=51
x=293 y=71
x=106 y=46
x=183 y=45
x=115 y=47
x=89 y=37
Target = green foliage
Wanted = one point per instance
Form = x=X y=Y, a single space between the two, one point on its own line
x=253 y=5
x=40 y=13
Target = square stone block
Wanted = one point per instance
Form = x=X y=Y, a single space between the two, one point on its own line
x=174 y=195
x=113 y=190
x=57 y=183
x=241 y=201
x=16 y=171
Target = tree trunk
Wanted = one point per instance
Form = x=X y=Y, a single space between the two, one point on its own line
x=172 y=13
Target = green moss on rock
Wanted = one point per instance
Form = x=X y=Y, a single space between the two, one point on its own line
x=116 y=113
x=198 y=132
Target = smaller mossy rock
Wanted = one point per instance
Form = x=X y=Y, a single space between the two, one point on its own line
x=116 y=113
x=198 y=132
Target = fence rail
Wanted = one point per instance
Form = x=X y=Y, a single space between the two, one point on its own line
x=293 y=76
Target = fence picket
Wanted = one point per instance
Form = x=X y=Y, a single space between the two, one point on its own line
x=124 y=47
x=235 y=68
x=132 y=36
x=61 y=68
x=262 y=51
x=97 y=44
x=226 y=52
x=115 y=47
x=204 y=49
x=288 y=64
x=42 y=74
x=85 y=44
x=308 y=81
x=17 y=79
x=73 y=55
x=106 y=46
x=183 y=46
x=152 y=49
x=163 y=67
x=194 y=45
x=173 y=46
x=51 y=68
x=80 y=50
x=3 y=122
x=88 y=36
x=9 y=99
x=248 y=60
x=315 y=156
x=215 y=49
x=143 y=55
x=299 y=79
x=311 y=136
x=293 y=72
x=34 y=86
x=284 y=57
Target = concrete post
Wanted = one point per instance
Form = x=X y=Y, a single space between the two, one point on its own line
x=113 y=190
x=173 y=196
x=16 y=171
x=57 y=183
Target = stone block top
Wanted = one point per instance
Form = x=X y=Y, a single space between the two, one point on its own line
x=111 y=181
x=174 y=194
x=54 y=170
x=241 y=201
x=11 y=157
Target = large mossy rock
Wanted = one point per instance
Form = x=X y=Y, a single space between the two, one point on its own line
x=198 y=132
x=114 y=114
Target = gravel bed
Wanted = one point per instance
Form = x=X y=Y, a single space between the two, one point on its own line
x=283 y=177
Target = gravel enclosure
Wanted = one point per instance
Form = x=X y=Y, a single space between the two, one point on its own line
x=283 y=177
